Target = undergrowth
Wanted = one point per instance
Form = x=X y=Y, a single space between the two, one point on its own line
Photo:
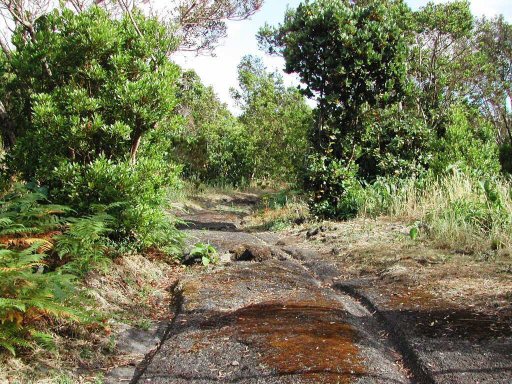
x=280 y=210
x=42 y=253
x=457 y=210
x=30 y=297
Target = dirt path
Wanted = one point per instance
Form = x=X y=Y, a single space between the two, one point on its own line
x=283 y=316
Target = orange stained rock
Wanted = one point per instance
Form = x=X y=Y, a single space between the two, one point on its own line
x=306 y=338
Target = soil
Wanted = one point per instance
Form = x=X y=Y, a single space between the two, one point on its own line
x=354 y=302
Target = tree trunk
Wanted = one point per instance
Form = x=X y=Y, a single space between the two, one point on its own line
x=135 y=147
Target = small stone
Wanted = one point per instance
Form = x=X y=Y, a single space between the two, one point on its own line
x=189 y=259
x=225 y=258
x=312 y=232
x=235 y=363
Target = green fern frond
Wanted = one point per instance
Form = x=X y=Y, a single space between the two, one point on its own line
x=43 y=339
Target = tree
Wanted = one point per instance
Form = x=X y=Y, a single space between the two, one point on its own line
x=93 y=132
x=351 y=58
x=198 y=23
x=277 y=120
x=201 y=23
x=212 y=145
x=494 y=38
x=443 y=59
x=195 y=25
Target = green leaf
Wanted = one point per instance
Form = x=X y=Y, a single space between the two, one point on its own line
x=205 y=260
x=414 y=233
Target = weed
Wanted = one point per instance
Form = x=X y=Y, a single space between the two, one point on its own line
x=144 y=324
x=207 y=252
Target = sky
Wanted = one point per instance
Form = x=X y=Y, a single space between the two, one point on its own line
x=221 y=71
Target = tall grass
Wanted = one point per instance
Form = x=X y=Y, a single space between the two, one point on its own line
x=457 y=210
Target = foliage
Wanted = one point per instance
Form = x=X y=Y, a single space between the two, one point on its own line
x=333 y=184
x=442 y=60
x=42 y=251
x=134 y=194
x=84 y=244
x=24 y=211
x=467 y=144
x=206 y=252
x=212 y=145
x=397 y=142
x=30 y=295
x=351 y=57
x=494 y=78
x=277 y=120
x=199 y=26
x=93 y=130
x=267 y=141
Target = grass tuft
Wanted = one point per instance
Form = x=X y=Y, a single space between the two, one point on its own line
x=458 y=211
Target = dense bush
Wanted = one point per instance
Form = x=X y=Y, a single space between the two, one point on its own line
x=468 y=144
x=396 y=143
x=212 y=145
x=41 y=253
x=268 y=140
x=90 y=127
x=334 y=184
x=277 y=121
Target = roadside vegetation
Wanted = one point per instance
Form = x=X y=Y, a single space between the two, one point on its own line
x=413 y=116
x=102 y=133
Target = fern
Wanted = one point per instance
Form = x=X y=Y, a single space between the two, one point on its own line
x=29 y=295
x=84 y=243
x=24 y=211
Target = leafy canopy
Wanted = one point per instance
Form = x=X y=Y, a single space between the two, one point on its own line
x=351 y=57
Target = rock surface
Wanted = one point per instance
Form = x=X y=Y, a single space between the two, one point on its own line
x=282 y=315
x=278 y=324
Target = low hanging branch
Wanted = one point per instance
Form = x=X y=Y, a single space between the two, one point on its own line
x=203 y=22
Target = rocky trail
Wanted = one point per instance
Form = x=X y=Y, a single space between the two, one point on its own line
x=276 y=311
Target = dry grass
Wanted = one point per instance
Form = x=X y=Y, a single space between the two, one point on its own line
x=457 y=211
x=277 y=211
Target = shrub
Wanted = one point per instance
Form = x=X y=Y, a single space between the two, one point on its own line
x=24 y=210
x=397 y=143
x=469 y=144
x=92 y=129
x=134 y=195
x=334 y=185
x=212 y=145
